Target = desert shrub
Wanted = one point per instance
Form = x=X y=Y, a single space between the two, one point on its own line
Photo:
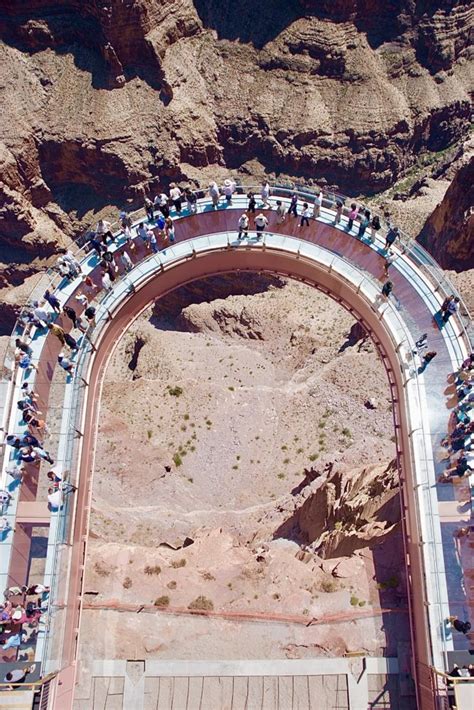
x=127 y=583
x=202 y=604
x=155 y=569
x=175 y=391
x=177 y=459
x=101 y=570
x=172 y=584
x=176 y=564
x=162 y=601
x=328 y=585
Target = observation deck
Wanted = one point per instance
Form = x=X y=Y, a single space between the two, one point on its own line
x=328 y=256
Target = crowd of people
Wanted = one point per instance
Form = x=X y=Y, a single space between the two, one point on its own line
x=156 y=233
x=459 y=442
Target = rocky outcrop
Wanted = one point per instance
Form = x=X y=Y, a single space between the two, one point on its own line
x=104 y=101
x=448 y=233
x=344 y=511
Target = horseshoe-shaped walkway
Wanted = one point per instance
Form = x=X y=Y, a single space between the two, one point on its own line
x=328 y=256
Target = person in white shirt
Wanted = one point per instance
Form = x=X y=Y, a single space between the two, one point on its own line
x=55 y=497
x=65 y=363
x=176 y=196
x=243 y=226
x=305 y=215
x=105 y=280
x=214 y=193
x=265 y=194
x=102 y=230
x=280 y=212
x=126 y=261
x=71 y=259
x=260 y=223
x=142 y=232
x=318 y=200
x=40 y=313
x=228 y=190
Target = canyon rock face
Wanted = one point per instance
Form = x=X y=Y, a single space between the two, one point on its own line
x=103 y=101
x=448 y=233
x=346 y=510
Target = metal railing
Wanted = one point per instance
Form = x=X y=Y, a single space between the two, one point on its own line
x=69 y=438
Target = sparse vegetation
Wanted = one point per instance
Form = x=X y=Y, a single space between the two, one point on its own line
x=354 y=601
x=127 y=583
x=201 y=603
x=172 y=584
x=175 y=391
x=176 y=564
x=328 y=585
x=313 y=457
x=150 y=570
x=177 y=459
x=101 y=570
x=162 y=601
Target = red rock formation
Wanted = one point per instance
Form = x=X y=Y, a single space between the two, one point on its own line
x=104 y=100
x=448 y=233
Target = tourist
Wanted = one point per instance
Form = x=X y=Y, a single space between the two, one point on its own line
x=89 y=313
x=126 y=261
x=53 y=301
x=260 y=223
x=148 y=205
x=37 y=589
x=74 y=264
x=292 y=209
x=65 y=363
x=387 y=288
x=153 y=242
x=162 y=203
x=364 y=223
x=353 y=212
x=280 y=212
x=57 y=331
x=40 y=314
x=265 y=194
x=191 y=199
x=126 y=221
x=243 y=226
x=42 y=454
x=462 y=626
x=24 y=361
x=305 y=215
x=71 y=314
x=375 y=227
x=16 y=676
x=176 y=197
x=142 y=232
x=427 y=358
x=463 y=391
x=96 y=245
x=103 y=231
x=318 y=201
x=451 y=308
x=105 y=281
x=169 y=230
x=71 y=342
x=389 y=259
x=339 y=208
x=15 y=471
x=252 y=205
x=392 y=235
x=460 y=469
x=228 y=190
x=23 y=346
x=54 y=498
x=214 y=193
x=13 y=641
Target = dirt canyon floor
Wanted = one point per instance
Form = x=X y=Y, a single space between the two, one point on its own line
x=244 y=472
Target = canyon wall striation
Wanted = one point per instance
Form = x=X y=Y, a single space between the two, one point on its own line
x=105 y=101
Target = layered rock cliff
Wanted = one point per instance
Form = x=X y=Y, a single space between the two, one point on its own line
x=449 y=232
x=103 y=101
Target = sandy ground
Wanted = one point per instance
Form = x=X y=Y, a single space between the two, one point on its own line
x=208 y=437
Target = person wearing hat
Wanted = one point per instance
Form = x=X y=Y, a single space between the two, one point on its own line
x=65 y=363
x=260 y=223
x=243 y=226
x=228 y=190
